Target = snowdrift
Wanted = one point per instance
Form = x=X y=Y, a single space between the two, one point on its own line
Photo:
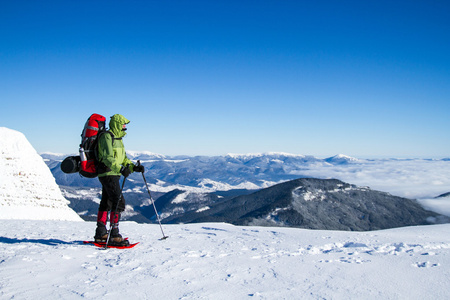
x=27 y=187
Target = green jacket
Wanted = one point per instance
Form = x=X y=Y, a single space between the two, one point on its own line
x=111 y=152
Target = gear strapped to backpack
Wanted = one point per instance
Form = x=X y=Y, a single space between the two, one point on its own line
x=94 y=127
x=87 y=162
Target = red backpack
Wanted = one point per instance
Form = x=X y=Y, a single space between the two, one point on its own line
x=95 y=125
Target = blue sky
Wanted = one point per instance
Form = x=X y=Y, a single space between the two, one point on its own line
x=362 y=78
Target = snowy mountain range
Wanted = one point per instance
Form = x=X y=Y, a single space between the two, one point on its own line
x=185 y=187
x=206 y=179
x=209 y=173
x=412 y=178
x=203 y=181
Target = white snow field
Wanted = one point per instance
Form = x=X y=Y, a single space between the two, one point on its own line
x=47 y=260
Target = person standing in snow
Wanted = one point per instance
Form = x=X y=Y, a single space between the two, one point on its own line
x=113 y=163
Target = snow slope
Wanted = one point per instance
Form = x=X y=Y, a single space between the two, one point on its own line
x=27 y=187
x=46 y=260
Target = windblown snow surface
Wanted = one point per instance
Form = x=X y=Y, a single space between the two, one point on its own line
x=47 y=260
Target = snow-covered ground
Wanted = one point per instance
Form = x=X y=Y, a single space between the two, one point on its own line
x=47 y=260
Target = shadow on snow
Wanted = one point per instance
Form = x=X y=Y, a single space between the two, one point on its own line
x=48 y=242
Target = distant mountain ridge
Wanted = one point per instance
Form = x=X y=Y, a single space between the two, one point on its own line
x=184 y=186
x=215 y=173
x=208 y=173
x=314 y=204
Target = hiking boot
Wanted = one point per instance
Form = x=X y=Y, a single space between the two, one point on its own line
x=101 y=234
x=118 y=241
x=116 y=238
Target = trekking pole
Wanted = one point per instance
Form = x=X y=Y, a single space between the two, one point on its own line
x=115 y=213
x=153 y=202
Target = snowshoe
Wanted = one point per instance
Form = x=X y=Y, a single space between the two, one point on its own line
x=118 y=241
x=104 y=246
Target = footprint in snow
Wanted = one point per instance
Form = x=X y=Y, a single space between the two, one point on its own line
x=426 y=264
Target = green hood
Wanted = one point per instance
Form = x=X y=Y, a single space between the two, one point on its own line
x=115 y=125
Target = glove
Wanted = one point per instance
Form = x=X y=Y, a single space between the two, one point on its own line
x=125 y=171
x=139 y=168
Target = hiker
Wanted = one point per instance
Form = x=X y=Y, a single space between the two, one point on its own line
x=113 y=163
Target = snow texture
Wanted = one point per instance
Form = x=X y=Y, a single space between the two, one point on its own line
x=47 y=260
x=27 y=187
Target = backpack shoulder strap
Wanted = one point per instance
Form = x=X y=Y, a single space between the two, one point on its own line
x=113 y=136
x=99 y=136
x=110 y=133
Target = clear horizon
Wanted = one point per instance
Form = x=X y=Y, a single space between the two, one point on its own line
x=75 y=152
x=210 y=78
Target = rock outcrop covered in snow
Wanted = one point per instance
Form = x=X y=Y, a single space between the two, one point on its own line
x=27 y=187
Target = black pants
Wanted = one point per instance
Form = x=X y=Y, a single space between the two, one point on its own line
x=111 y=194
